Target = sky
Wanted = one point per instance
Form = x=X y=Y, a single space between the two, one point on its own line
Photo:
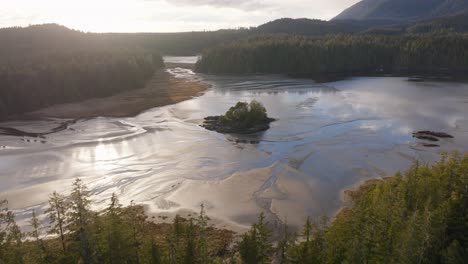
x=162 y=15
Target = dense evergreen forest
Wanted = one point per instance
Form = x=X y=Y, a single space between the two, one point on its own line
x=46 y=65
x=340 y=54
x=311 y=27
x=448 y=24
x=178 y=44
x=453 y=23
x=420 y=216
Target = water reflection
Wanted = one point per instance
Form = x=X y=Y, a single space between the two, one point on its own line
x=180 y=59
x=327 y=137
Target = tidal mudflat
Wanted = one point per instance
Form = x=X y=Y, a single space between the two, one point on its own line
x=328 y=137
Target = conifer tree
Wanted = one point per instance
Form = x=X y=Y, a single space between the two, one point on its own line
x=248 y=248
x=80 y=217
x=255 y=246
x=14 y=240
x=117 y=237
x=155 y=253
x=3 y=230
x=202 y=227
x=36 y=235
x=57 y=213
x=284 y=245
x=190 y=256
x=136 y=218
x=264 y=235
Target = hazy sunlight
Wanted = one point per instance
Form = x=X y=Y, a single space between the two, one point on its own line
x=160 y=15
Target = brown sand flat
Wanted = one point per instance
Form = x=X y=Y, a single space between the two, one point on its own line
x=162 y=90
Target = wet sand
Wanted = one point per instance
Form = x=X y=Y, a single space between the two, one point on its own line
x=280 y=191
x=162 y=90
x=328 y=138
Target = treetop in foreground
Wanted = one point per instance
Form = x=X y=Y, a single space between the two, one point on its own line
x=419 y=216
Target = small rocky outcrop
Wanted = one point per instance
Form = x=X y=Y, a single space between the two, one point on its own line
x=215 y=123
x=431 y=136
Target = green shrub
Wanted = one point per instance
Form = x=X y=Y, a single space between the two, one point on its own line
x=244 y=115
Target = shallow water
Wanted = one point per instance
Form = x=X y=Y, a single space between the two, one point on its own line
x=180 y=59
x=328 y=137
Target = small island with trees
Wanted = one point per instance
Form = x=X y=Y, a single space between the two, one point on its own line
x=243 y=118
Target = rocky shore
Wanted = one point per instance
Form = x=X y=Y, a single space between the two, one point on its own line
x=432 y=137
x=214 y=123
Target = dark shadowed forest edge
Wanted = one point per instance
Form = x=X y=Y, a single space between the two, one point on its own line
x=432 y=46
x=43 y=66
x=161 y=90
x=51 y=68
x=420 y=216
x=422 y=54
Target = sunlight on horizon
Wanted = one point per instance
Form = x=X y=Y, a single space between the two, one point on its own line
x=161 y=15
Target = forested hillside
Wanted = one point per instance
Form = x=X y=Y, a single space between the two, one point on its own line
x=417 y=217
x=340 y=54
x=446 y=24
x=402 y=10
x=178 y=44
x=192 y=43
x=311 y=27
x=50 y=64
x=453 y=23
x=457 y=22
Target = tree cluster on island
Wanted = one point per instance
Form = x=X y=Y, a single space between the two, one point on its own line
x=416 y=217
x=243 y=118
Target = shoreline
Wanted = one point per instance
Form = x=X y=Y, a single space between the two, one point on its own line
x=337 y=76
x=163 y=89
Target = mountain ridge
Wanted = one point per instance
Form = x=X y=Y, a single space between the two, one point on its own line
x=401 y=11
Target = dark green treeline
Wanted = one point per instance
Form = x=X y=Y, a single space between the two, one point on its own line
x=417 y=217
x=115 y=235
x=340 y=54
x=45 y=65
x=420 y=216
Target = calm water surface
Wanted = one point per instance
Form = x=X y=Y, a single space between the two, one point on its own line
x=328 y=137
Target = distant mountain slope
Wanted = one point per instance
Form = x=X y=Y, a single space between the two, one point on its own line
x=446 y=24
x=401 y=10
x=457 y=22
x=305 y=26
x=452 y=23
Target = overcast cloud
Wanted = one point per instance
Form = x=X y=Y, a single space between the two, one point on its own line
x=162 y=15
